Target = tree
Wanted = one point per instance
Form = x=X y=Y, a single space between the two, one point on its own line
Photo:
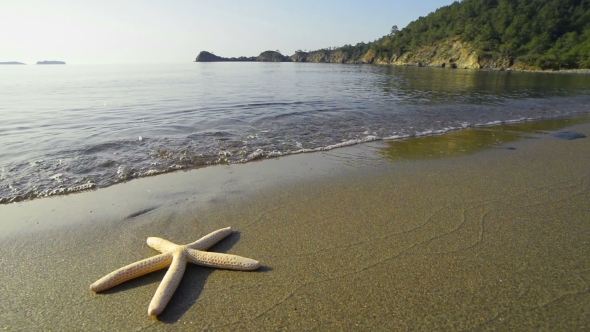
x=543 y=33
x=394 y=30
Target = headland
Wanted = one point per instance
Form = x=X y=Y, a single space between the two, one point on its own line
x=523 y=35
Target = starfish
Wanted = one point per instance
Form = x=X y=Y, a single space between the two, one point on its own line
x=176 y=256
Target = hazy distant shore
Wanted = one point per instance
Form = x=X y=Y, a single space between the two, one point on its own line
x=51 y=62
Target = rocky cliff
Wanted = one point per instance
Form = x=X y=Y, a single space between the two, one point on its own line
x=451 y=53
x=324 y=56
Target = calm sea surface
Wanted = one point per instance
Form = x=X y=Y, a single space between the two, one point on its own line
x=67 y=128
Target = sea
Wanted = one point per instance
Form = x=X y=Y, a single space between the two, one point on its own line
x=69 y=128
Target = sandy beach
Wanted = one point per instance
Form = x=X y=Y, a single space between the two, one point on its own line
x=469 y=235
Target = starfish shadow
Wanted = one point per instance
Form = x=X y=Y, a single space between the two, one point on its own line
x=194 y=276
x=183 y=285
x=193 y=283
x=188 y=292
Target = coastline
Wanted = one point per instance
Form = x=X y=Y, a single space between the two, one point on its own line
x=273 y=56
x=547 y=124
x=560 y=71
x=348 y=238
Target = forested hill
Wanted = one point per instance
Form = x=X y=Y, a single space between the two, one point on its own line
x=522 y=34
x=542 y=33
x=494 y=34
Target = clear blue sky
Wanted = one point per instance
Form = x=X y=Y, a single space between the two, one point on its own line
x=158 y=31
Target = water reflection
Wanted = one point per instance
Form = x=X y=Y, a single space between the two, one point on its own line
x=469 y=141
x=436 y=85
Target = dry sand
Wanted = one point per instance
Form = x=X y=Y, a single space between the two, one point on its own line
x=349 y=240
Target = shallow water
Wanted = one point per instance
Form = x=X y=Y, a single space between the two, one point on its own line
x=476 y=139
x=69 y=128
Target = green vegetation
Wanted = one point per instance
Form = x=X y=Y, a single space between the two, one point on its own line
x=545 y=34
x=520 y=34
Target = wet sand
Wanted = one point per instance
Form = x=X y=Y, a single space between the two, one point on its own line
x=356 y=238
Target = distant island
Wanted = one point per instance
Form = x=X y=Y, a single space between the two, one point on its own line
x=267 y=56
x=12 y=63
x=51 y=63
x=474 y=34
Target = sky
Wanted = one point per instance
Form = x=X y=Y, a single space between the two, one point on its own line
x=175 y=31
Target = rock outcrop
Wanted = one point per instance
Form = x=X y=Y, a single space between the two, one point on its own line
x=205 y=56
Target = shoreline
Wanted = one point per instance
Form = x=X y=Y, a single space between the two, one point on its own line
x=205 y=57
x=350 y=238
x=558 y=120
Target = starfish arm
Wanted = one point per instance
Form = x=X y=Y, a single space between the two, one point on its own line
x=210 y=239
x=160 y=244
x=168 y=285
x=131 y=271
x=224 y=261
